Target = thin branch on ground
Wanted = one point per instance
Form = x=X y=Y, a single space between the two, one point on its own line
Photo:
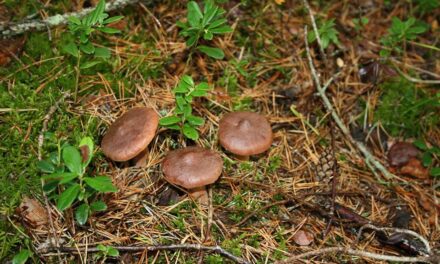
x=13 y=29
x=189 y=247
x=315 y=29
x=412 y=79
x=328 y=105
x=359 y=253
x=46 y=120
x=395 y=230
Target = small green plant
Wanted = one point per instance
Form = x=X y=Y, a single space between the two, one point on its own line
x=400 y=32
x=82 y=30
x=67 y=171
x=425 y=6
x=428 y=156
x=21 y=257
x=204 y=25
x=80 y=46
x=405 y=110
x=106 y=251
x=327 y=33
x=183 y=119
x=360 y=23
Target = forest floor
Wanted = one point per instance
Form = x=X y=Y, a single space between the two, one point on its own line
x=279 y=204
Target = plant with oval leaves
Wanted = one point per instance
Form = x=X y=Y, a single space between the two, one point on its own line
x=81 y=30
x=67 y=170
x=204 y=25
x=183 y=119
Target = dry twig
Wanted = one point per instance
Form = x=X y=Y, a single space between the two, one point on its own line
x=190 y=247
x=369 y=158
x=12 y=29
x=359 y=253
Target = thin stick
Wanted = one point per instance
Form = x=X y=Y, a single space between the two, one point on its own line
x=328 y=105
x=412 y=79
x=46 y=119
x=189 y=247
x=12 y=29
x=359 y=253
x=315 y=29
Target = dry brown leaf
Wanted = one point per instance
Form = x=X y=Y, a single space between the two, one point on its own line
x=303 y=238
x=32 y=212
x=415 y=168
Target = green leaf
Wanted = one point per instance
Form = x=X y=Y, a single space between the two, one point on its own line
x=113 y=19
x=112 y=252
x=217 y=23
x=426 y=159
x=221 y=30
x=102 y=52
x=215 y=53
x=182 y=87
x=45 y=166
x=82 y=214
x=74 y=20
x=190 y=132
x=210 y=11
x=58 y=176
x=95 y=15
x=194 y=14
x=181 y=103
x=98 y=206
x=191 y=41
x=199 y=93
x=102 y=248
x=101 y=184
x=21 y=257
x=208 y=35
x=420 y=144
x=72 y=159
x=435 y=172
x=88 y=64
x=169 y=120
x=195 y=120
x=109 y=30
x=87 y=48
x=188 y=80
x=202 y=86
x=67 y=197
x=72 y=49
x=67 y=177
x=87 y=142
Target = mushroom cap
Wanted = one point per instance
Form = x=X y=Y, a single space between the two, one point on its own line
x=245 y=133
x=401 y=152
x=192 y=167
x=130 y=134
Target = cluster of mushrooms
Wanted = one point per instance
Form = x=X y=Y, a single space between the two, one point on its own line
x=193 y=168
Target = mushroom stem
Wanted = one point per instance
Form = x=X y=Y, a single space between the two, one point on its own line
x=199 y=194
x=141 y=159
x=242 y=158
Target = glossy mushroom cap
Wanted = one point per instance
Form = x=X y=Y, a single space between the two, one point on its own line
x=192 y=167
x=245 y=133
x=130 y=134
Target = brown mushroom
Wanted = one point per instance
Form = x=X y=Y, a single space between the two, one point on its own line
x=245 y=134
x=129 y=136
x=193 y=168
x=401 y=152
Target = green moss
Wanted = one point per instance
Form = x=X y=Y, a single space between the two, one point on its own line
x=405 y=110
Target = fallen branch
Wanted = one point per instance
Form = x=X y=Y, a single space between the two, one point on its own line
x=328 y=105
x=315 y=29
x=359 y=253
x=46 y=119
x=12 y=29
x=188 y=247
